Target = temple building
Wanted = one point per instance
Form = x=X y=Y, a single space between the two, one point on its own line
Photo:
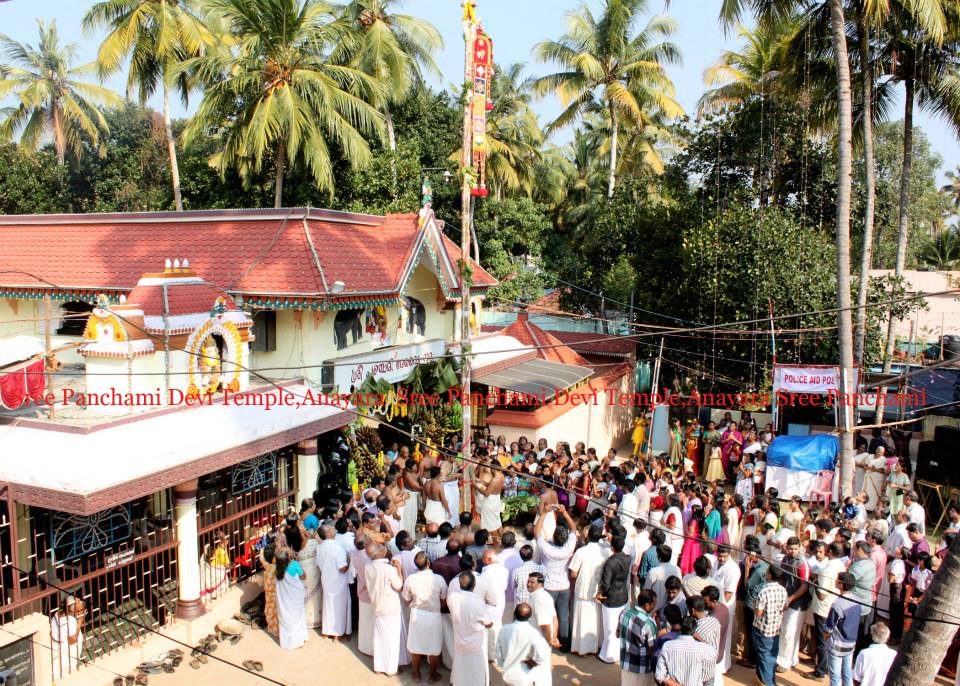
x=145 y=365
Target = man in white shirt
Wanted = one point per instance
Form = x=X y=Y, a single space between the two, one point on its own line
x=898 y=538
x=544 y=614
x=555 y=555
x=384 y=585
x=657 y=578
x=509 y=557
x=492 y=587
x=915 y=511
x=424 y=591
x=585 y=568
x=629 y=504
x=332 y=560
x=821 y=600
x=873 y=663
x=522 y=653
x=728 y=574
x=471 y=619
x=358 y=563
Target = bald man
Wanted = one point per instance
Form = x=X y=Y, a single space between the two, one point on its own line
x=522 y=653
x=424 y=591
x=492 y=587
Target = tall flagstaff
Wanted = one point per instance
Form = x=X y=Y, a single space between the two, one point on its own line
x=478 y=75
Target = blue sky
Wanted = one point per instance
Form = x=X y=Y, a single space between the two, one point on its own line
x=515 y=25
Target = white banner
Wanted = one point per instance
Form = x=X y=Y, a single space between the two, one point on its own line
x=390 y=364
x=800 y=379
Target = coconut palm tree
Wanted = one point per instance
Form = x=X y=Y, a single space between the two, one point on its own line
x=51 y=96
x=156 y=36
x=770 y=12
x=605 y=60
x=952 y=189
x=279 y=94
x=929 y=69
x=748 y=73
x=941 y=252
x=394 y=48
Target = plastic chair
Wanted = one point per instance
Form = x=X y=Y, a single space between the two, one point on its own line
x=822 y=488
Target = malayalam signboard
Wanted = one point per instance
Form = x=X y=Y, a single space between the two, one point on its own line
x=18 y=658
x=392 y=365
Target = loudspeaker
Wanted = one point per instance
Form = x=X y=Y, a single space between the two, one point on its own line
x=947 y=439
x=928 y=469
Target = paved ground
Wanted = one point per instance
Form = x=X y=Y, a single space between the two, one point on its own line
x=322 y=661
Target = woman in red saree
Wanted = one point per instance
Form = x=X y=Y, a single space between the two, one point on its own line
x=691 y=544
x=731 y=445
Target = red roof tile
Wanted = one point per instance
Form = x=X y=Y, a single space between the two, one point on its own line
x=597 y=343
x=254 y=252
x=530 y=334
x=183 y=298
x=481 y=277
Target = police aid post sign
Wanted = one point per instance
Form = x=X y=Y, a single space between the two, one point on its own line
x=808 y=379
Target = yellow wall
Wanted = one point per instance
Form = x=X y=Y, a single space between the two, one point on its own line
x=303 y=346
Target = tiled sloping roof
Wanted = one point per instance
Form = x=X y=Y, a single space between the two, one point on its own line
x=183 y=298
x=481 y=277
x=597 y=343
x=252 y=252
x=531 y=334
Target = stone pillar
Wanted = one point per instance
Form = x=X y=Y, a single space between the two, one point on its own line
x=308 y=469
x=189 y=605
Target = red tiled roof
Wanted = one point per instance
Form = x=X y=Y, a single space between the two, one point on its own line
x=183 y=298
x=481 y=277
x=597 y=343
x=255 y=252
x=530 y=334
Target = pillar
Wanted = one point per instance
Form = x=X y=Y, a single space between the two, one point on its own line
x=308 y=468
x=189 y=605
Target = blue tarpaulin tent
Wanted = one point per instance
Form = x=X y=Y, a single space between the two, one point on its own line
x=803 y=453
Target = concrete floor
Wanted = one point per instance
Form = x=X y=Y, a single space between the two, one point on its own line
x=321 y=661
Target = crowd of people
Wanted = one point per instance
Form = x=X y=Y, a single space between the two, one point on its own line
x=673 y=567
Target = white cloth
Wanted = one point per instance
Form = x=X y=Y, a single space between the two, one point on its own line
x=789 y=656
x=425 y=633
x=386 y=643
x=336 y=612
x=365 y=628
x=490 y=513
x=629 y=509
x=424 y=592
x=610 y=648
x=544 y=611
x=451 y=489
x=291 y=612
x=492 y=587
x=585 y=627
x=657 y=580
x=434 y=512
x=470 y=615
x=446 y=657
x=519 y=643
x=411 y=510
x=555 y=562
x=873 y=663
x=313 y=598
x=66 y=657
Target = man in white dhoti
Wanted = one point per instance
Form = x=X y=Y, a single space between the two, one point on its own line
x=358 y=564
x=334 y=567
x=585 y=568
x=471 y=619
x=436 y=509
x=414 y=486
x=614 y=595
x=728 y=574
x=492 y=587
x=450 y=476
x=875 y=478
x=423 y=591
x=384 y=585
x=522 y=652
x=490 y=506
